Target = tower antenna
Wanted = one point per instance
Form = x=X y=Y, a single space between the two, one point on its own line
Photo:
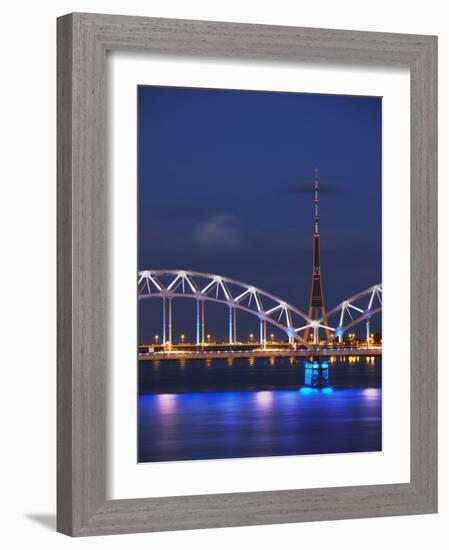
x=317 y=309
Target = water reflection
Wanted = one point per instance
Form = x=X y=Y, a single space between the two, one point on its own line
x=167 y=403
x=264 y=399
x=211 y=425
x=371 y=393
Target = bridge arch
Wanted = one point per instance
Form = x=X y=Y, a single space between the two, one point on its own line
x=173 y=284
x=354 y=310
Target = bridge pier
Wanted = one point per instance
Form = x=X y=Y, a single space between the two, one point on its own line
x=231 y=318
x=164 y=321
x=339 y=334
x=263 y=333
x=367 y=333
x=197 y=322
x=170 y=323
x=202 y=323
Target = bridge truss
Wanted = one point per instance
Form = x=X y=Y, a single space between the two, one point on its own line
x=235 y=295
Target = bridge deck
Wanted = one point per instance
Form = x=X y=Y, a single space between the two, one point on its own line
x=216 y=354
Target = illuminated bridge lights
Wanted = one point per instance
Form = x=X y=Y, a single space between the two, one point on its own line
x=296 y=324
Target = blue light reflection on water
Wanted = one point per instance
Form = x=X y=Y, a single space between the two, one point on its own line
x=230 y=424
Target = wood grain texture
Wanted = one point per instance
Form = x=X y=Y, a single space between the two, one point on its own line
x=83 y=40
x=64 y=277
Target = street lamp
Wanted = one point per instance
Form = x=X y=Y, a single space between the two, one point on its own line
x=156 y=339
x=251 y=337
x=182 y=338
x=272 y=337
x=208 y=338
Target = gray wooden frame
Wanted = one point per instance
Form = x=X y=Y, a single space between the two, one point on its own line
x=83 y=40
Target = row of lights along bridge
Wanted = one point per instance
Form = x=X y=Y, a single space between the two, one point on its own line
x=374 y=340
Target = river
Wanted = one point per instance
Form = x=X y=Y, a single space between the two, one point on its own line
x=258 y=407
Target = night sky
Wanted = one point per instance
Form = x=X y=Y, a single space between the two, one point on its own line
x=225 y=187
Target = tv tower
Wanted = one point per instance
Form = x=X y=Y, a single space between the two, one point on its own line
x=317 y=309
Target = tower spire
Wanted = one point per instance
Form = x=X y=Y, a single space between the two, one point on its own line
x=317 y=309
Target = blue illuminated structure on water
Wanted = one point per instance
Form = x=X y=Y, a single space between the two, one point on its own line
x=316 y=377
x=315 y=365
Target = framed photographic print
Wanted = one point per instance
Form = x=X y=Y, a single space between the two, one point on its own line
x=246 y=274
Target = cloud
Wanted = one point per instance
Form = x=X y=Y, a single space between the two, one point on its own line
x=326 y=186
x=221 y=230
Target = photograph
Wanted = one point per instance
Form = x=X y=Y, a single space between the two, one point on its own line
x=259 y=277
x=204 y=203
